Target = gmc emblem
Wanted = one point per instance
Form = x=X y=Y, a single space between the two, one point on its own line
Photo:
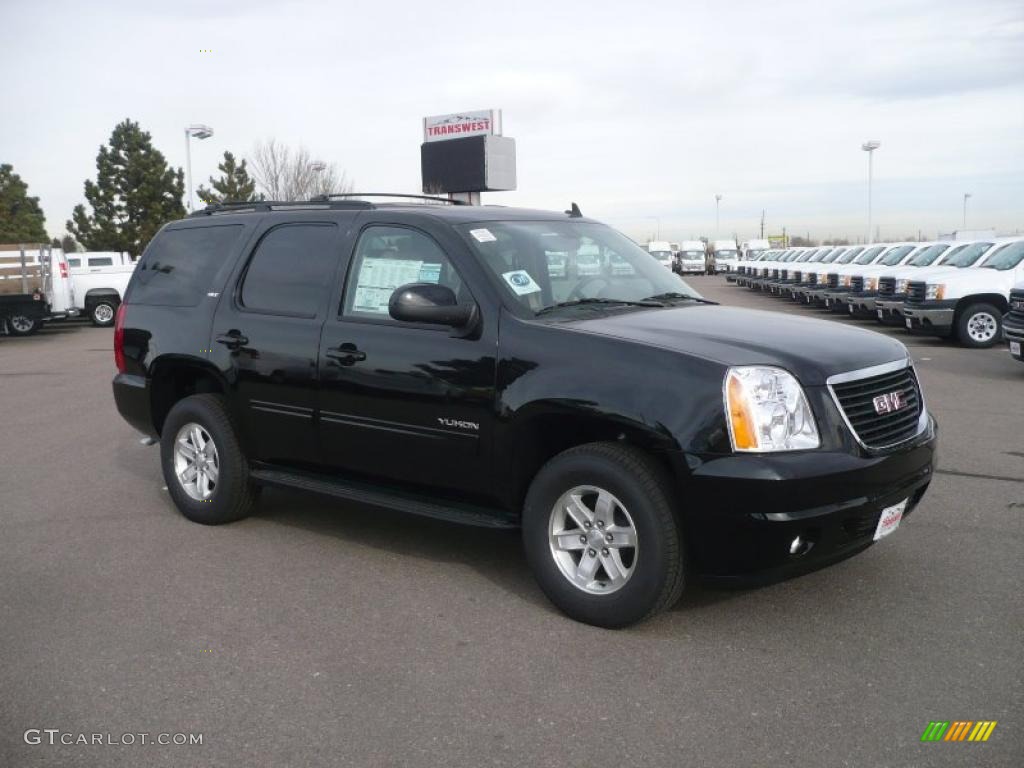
x=890 y=402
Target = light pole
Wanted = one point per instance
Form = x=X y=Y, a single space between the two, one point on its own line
x=200 y=131
x=966 y=195
x=870 y=147
x=318 y=167
x=718 y=199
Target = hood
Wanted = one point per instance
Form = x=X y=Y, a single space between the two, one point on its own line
x=811 y=349
x=988 y=280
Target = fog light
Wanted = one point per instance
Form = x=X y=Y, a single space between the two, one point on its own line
x=796 y=545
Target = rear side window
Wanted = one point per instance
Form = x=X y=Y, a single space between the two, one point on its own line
x=73 y=263
x=291 y=270
x=180 y=264
x=101 y=261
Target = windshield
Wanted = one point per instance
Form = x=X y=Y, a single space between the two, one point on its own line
x=725 y=254
x=928 y=255
x=603 y=265
x=1007 y=257
x=849 y=255
x=895 y=256
x=662 y=254
x=869 y=255
x=692 y=255
x=970 y=254
x=830 y=257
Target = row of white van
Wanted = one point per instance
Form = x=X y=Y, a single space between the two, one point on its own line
x=969 y=290
x=698 y=257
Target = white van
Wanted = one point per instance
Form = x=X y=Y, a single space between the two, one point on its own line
x=725 y=256
x=692 y=257
x=662 y=251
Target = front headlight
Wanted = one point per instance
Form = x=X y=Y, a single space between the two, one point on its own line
x=901 y=285
x=845 y=281
x=871 y=284
x=935 y=292
x=767 y=411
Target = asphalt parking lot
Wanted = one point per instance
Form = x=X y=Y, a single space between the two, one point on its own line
x=319 y=634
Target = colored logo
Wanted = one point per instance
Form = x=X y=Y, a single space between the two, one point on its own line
x=958 y=730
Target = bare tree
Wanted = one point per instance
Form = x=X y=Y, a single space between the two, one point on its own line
x=285 y=173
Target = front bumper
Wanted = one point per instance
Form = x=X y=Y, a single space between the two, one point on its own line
x=835 y=299
x=890 y=311
x=132 y=397
x=930 y=317
x=814 y=296
x=743 y=512
x=861 y=304
x=1013 y=330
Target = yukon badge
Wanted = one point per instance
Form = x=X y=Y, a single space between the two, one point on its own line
x=890 y=402
x=459 y=423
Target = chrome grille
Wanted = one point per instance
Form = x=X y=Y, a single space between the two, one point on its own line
x=857 y=400
x=886 y=286
x=916 y=291
x=857 y=284
x=833 y=280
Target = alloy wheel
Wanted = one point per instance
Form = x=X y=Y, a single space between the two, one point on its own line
x=593 y=540
x=196 y=463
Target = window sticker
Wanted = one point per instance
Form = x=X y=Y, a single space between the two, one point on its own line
x=378 y=279
x=519 y=280
x=430 y=272
x=483 y=235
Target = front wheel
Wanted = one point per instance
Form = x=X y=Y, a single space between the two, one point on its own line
x=205 y=470
x=601 y=537
x=980 y=325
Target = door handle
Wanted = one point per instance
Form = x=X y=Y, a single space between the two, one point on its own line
x=232 y=339
x=345 y=354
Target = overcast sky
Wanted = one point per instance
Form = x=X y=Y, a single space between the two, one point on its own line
x=638 y=111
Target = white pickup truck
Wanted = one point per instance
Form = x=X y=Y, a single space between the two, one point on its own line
x=1013 y=322
x=99 y=280
x=66 y=285
x=967 y=304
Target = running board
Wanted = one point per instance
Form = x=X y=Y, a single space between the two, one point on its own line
x=389 y=498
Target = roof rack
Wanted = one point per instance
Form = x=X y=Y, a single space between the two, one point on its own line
x=251 y=206
x=340 y=200
x=431 y=198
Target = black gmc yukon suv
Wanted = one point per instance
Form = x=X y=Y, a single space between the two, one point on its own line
x=515 y=368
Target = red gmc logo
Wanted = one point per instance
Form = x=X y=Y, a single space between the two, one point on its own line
x=889 y=402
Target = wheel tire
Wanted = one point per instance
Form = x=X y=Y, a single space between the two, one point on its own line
x=233 y=494
x=22 y=325
x=103 y=313
x=980 y=326
x=642 y=488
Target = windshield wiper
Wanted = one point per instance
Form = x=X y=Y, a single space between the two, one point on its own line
x=596 y=300
x=679 y=296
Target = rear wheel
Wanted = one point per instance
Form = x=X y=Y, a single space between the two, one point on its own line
x=102 y=314
x=23 y=325
x=980 y=325
x=205 y=470
x=601 y=537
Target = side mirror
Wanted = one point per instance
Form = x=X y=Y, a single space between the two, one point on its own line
x=429 y=303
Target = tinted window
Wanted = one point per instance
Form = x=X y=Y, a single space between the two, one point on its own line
x=389 y=257
x=179 y=266
x=291 y=270
x=101 y=261
x=74 y=263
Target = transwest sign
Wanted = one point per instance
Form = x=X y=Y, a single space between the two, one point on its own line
x=481 y=122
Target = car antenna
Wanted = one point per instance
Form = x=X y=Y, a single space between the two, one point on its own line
x=575 y=212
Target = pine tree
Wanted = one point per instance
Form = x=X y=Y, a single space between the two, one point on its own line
x=21 y=218
x=135 y=194
x=233 y=185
